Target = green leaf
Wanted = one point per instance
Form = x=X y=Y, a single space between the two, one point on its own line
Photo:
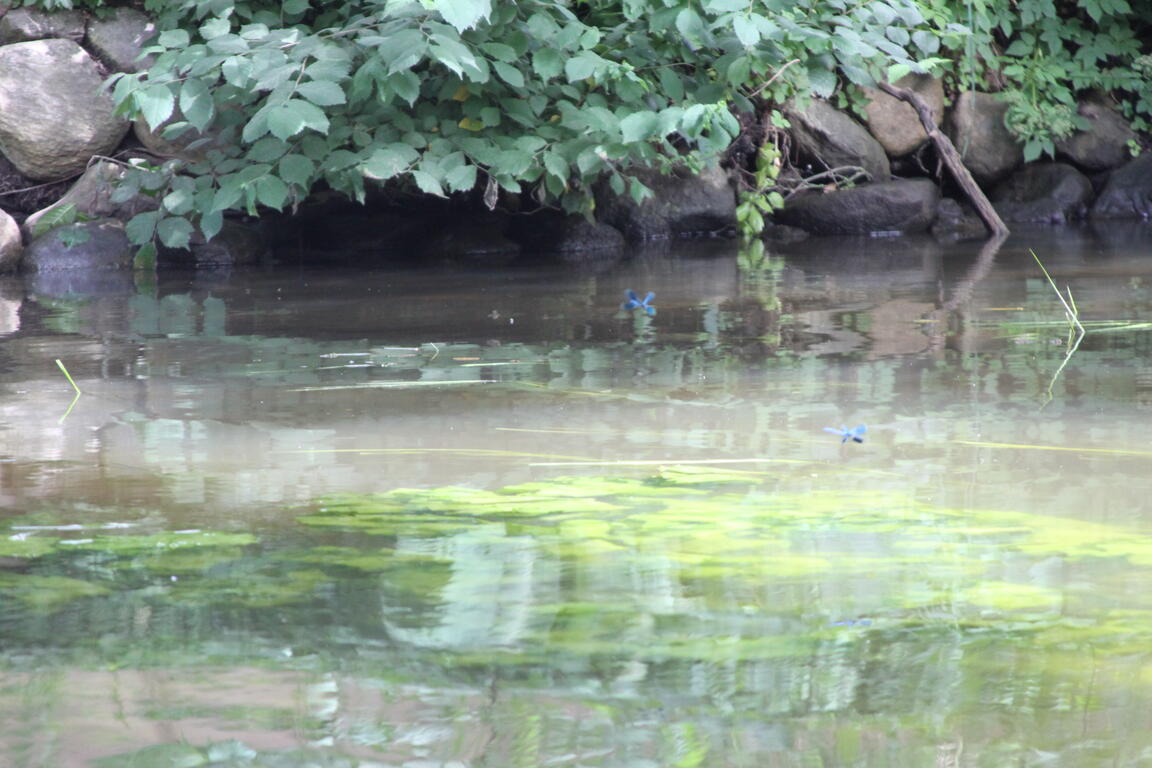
x=156 y=103
x=582 y=66
x=294 y=7
x=57 y=216
x=672 y=84
x=450 y=52
x=406 y=85
x=237 y=70
x=926 y=42
x=297 y=169
x=725 y=6
x=388 y=161
x=211 y=223
x=271 y=191
x=227 y=196
x=324 y=93
x=174 y=232
x=547 y=63
x=822 y=81
x=897 y=71
x=463 y=14
x=174 y=38
x=427 y=183
x=196 y=104
x=290 y=118
x=403 y=50
x=141 y=227
x=179 y=201
x=509 y=74
x=461 y=179
x=490 y=116
x=500 y=51
x=214 y=28
x=746 y=30
x=556 y=165
x=639 y=126
x=691 y=26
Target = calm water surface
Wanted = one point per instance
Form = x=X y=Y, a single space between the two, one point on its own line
x=473 y=517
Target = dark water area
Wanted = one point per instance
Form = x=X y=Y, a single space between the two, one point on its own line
x=477 y=516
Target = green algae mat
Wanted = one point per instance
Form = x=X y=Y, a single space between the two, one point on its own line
x=694 y=617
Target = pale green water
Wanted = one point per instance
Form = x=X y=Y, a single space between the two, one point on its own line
x=597 y=538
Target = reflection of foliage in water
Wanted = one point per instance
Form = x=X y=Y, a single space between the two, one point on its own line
x=713 y=590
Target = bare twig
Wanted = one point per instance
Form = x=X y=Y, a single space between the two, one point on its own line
x=779 y=72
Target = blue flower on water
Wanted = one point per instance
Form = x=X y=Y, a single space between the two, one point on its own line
x=855 y=435
x=635 y=302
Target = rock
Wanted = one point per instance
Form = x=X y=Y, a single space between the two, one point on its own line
x=106 y=247
x=976 y=127
x=894 y=123
x=235 y=245
x=953 y=222
x=55 y=116
x=1102 y=146
x=1128 y=192
x=548 y=232
x=1043 y=193
x=92 y=196
x=682 y=205
x=833 y=138
x=782 y=234
x=478 y=239
x=891 y=206
x=20 y=195
x=11 y=244
x=118 y=38
x=22 y=25
x=175 y=146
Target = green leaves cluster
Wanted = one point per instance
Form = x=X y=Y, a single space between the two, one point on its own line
x=1046 y=53
x=454 y=96
x=762 y=197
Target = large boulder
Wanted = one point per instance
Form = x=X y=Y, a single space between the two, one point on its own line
x=92 y=196
x=682 y=205
x=21 y=25
x=894 y=123
x=88 y=246
x=1043 y=193
x=1104 y=144
x=955 y=222
x=891 y=206
x=976 y=127
x=824 y=133
x=235 y=245
x=548 y=232
x=1128 y=193
x=11 y=244
x=55 y=116
x=118 y=38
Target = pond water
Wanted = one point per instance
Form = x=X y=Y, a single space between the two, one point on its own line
x=465 y=516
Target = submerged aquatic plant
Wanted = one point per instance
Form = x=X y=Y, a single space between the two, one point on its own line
x=1075 y=328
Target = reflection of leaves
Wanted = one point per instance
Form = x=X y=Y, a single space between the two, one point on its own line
x=47 y=592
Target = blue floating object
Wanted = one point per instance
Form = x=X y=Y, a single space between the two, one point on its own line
x=635 y=302
x=856 y=435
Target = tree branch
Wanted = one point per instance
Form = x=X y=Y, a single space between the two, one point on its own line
x=951 y=157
